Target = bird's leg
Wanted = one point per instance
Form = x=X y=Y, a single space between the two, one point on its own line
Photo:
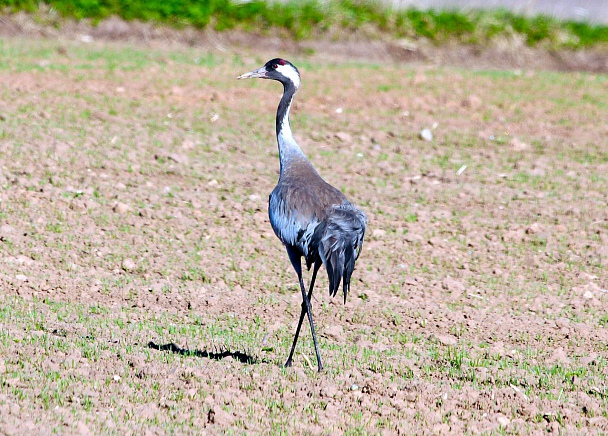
x=296 y=261
x=303 y=312
x=312 y=325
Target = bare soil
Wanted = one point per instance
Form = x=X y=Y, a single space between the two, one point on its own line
x=143 y=292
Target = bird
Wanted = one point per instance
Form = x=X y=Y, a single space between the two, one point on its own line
x=313 y=220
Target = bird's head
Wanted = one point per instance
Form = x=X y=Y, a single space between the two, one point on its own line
x=276 y=69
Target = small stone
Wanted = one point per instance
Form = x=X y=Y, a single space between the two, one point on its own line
x=472 y=101
x=344 y=137
x=412 y=237
x=594 y=302
x=354 y=387
x=399 y=404
x=446 y=339
x=21 y=277
x=188 y=144
x=472 y=396
x=334 y=332
x=379 y=233
x=538 y=172
x=419 y=77
x=559 y=355
x=82 y=429
x=116 y=377
x=329 y=391
x=121 y=208
x=178 y=158
x=562 y=322
x=513 y=236
x=529 y=410
x=441 y=429
x=426 y=134
x=531 y=261
x=535 y=229
x=481 y=374
x=411 y=397
x=437 y=242
x=219 y=416
x=452 y=285
x=128 y=264
x=553 y=427
x=518 y=145
x=6 y=229
x=503 y=421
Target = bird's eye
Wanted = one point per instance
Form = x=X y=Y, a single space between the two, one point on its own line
x=275 y=66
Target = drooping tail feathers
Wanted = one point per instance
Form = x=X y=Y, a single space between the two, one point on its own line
x=341 y=244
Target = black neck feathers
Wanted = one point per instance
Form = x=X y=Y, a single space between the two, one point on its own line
x=283 y=110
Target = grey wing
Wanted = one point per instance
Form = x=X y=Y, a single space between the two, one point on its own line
x=294 y=228
x=347 y=220
x=359 y=235
x=341 y=243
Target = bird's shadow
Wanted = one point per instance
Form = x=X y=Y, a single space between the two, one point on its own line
x=219 y=355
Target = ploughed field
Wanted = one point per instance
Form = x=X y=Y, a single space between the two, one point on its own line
x=142 y=290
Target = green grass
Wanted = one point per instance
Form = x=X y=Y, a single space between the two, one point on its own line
x=312 y=18
x=89 y=335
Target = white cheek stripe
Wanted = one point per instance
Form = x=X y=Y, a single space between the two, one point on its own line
x=289 y=72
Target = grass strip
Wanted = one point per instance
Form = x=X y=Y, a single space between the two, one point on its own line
x=313 y=18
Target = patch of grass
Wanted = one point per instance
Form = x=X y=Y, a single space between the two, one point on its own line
x=308 y=18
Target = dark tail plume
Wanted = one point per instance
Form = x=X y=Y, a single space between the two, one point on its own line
x=340 y=245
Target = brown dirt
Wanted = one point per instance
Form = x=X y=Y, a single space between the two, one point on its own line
x=140 y=268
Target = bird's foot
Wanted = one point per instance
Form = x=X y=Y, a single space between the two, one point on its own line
x=287 y=364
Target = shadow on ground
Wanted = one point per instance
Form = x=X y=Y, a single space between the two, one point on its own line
x=236 y=355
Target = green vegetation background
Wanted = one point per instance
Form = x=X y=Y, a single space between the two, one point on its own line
x=310 y=18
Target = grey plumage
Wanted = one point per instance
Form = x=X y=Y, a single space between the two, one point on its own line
x=340 y=244
x=312 y=219
x=317 y=220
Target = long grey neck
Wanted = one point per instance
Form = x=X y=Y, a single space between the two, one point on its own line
x=288 y=148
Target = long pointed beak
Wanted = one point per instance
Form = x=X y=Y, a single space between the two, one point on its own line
x=255 y=74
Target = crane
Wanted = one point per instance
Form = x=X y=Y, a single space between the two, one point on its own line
x=312 y=219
